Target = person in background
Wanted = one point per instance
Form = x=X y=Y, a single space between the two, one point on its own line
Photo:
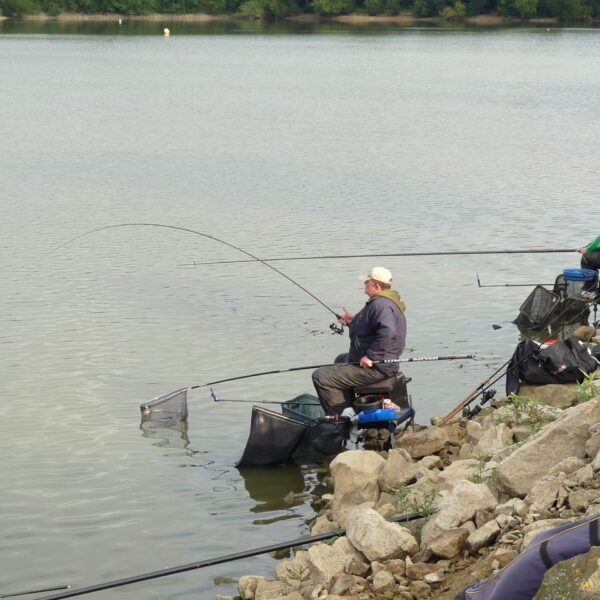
x=590 y=259
x=377 y=332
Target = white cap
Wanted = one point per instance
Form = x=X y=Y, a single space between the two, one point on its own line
x=380 y=274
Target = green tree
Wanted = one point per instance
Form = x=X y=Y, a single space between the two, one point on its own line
x=374 y=7
x=334 y=7
x=17 y=8
x=428 y=8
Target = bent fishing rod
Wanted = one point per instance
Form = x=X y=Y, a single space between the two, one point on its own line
x=485 y=385
x=223 y=559
x=385 y=255
x=335 y=328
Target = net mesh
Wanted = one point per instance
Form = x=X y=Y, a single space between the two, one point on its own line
x=168 y=408
x=539 y=305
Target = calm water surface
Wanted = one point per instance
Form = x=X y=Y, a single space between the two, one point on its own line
x=331 y=141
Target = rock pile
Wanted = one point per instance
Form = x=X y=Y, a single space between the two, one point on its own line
x=519 y=468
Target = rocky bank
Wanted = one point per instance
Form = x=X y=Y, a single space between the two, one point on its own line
x=522 y=466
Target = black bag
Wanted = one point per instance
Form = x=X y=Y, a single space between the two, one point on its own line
x=566 y=360
x=561 y=362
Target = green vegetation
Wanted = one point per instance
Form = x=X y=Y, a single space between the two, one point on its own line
x=526 y=411
x=587 y=389
x=564 y=10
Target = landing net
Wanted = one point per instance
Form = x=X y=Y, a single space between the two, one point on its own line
x=168 y=408
x=535 y=312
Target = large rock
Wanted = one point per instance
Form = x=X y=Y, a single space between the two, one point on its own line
x=450 y=543
x=577 y=578
x=325 y=561
x=397 y=471
x=457 y=471
x=493 y=440
x=378 y=539
x=543 y=494
x=563 y=438
x=269 y=590
x=592 y=446
x=423 y=443
x=557 y=395
x=355 y=480
x=482 y=537
x=456 y=507
x=247 y=585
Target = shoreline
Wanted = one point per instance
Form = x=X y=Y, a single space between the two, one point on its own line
x=404 y=19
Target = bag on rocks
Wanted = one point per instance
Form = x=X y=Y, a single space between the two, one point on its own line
x=537 y=364
x=522 y=578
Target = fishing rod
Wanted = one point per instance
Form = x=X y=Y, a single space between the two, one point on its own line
x=145 y=407
x=335 y=328
x=479 y=284
x=486 y=384
x=375 y=362
x=385 y=255
x=223 y=559
x=48 y=589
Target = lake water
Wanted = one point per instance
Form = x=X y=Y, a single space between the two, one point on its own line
x=282 y=142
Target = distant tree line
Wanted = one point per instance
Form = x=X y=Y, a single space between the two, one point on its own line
x=564 y=10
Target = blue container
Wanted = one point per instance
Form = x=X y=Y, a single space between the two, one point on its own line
x=579 y=274
x=382 y=414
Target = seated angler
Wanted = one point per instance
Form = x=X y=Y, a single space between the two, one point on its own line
x=377 y=333
x=590 y=259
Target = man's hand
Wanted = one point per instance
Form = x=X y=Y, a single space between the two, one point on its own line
x=365 y=362
x=582 y=250
x=347 y=317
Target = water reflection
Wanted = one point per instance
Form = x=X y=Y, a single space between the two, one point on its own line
x=274 y=487
x=169 y=435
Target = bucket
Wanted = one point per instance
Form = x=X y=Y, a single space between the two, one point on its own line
x=368 y=403
x=579 y=274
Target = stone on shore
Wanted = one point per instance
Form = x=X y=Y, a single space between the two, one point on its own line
x=423 y=443
x=557 y=395
x=378 y=539
x=577 y=578
x=450 y=543
x=456 y=507
x=355 y=481
x=325 y=561
x=563 y=438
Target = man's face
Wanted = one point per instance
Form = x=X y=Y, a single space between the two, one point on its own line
x=372 y=287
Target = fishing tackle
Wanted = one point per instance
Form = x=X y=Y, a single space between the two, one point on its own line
x=334 y=327
x=386 y=255
x=173 y=405
x=487 y=383
x=48 y=589
x=224 y=559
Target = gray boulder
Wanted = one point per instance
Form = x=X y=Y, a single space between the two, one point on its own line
x=378 y=539
x=577 y=578
x=456 y=507
x=563 y=438
x=423 y=443
x=355 y=480
x=557 y=395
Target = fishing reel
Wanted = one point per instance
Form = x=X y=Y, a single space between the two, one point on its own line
x=485 y=397
x=335 y=328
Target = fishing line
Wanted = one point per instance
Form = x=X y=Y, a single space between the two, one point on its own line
x=334 y=327
x=385 y=255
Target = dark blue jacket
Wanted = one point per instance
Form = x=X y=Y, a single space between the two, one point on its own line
x=379 y=331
